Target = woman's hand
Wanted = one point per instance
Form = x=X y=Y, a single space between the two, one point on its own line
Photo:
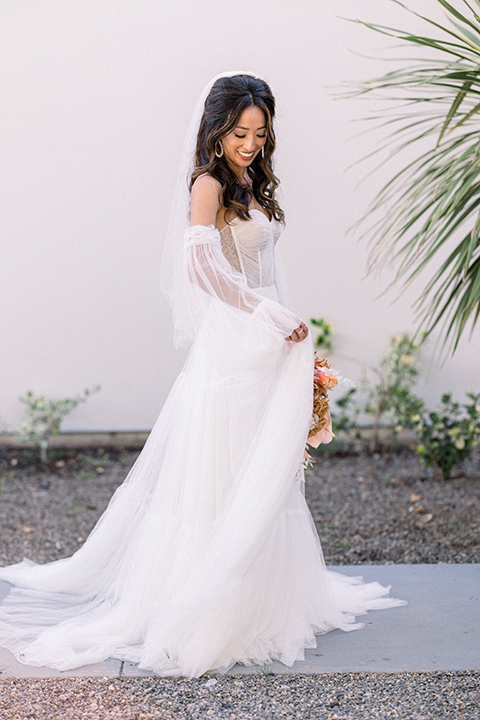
x=298 y=334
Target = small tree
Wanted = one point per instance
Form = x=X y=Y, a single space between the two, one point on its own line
x=43 y=417
x=384 y=395
x=390 y=400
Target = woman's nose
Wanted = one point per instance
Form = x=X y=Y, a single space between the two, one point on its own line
x=249 y=144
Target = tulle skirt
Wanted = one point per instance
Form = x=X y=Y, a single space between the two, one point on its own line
x=207 y=554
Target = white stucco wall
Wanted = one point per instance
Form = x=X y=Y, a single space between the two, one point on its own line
x=96 y=97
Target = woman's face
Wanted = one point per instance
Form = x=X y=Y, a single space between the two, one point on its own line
x=245 y=141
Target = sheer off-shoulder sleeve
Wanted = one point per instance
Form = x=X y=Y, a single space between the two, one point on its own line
x=211 y=277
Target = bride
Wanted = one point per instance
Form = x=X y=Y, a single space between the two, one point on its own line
x=207 y=554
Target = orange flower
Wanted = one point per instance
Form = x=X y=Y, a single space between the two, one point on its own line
x=326 y=380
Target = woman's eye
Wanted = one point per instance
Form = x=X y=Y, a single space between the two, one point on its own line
x=260 y=137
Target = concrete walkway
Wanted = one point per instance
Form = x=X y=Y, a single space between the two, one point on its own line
x=438 y=630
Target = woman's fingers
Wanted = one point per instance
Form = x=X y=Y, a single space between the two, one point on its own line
x=298 y=334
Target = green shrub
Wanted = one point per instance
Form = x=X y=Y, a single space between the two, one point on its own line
x=43 y=417
x=445 y=437
x=448 y=435
x=384 y=395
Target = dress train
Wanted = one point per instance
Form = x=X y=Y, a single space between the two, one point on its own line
x=207 y=554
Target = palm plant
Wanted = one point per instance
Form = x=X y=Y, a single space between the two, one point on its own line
x=427 y=216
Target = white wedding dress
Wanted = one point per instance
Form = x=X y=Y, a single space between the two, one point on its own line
x=207 y=555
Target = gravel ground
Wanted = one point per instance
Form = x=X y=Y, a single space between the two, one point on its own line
x=386 y=509
x=345 y=696
x=368 y=509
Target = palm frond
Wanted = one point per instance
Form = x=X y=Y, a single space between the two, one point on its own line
x=416 y=219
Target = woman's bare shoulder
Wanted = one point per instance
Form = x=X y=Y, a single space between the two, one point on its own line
x=205 y=200
x=206 y=185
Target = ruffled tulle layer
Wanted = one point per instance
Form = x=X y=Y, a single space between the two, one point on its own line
x=207 y=555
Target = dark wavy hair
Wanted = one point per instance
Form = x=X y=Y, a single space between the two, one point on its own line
x=227 y=99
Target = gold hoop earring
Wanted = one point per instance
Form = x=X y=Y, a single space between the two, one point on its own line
x=218 y=153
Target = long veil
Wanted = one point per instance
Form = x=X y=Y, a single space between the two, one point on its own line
x=172 y=274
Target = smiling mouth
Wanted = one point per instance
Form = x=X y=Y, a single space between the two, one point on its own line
x=246 y=156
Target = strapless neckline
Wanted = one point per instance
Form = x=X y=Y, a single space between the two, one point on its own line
x=235 y=221
x=261 y=213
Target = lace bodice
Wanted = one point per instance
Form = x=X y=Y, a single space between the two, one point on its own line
x=236 y=267
x=249 y=247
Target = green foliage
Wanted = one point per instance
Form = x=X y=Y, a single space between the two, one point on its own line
x=345 y=418
x=433 y=202
x=449 y=434
x=390 y=400
x=445 y=437
x=324 y=333
x=384 y=396
x=99 y=463
x=266 y=672
x=43 y=417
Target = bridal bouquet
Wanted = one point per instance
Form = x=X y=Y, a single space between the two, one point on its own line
x=323 y=381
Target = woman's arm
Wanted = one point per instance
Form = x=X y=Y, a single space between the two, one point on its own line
x=205 y=201
x=208 y=268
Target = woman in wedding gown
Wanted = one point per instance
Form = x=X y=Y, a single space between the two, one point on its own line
x=207 y=554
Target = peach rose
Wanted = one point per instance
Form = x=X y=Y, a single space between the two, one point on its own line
x=326 y=380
